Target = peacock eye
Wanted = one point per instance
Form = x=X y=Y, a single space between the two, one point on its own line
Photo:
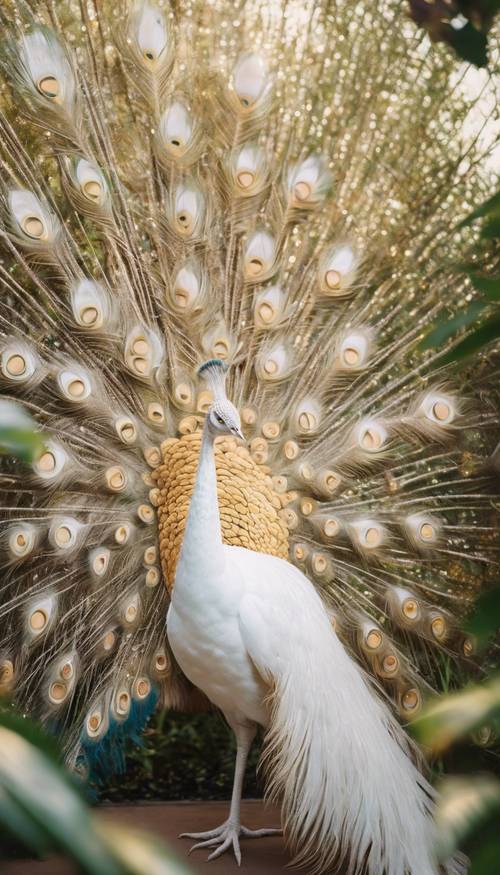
x=219 y=419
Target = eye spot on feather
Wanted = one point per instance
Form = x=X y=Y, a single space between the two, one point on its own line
x=245 y=178
x=390 y=664
x=411 y=609
x=427 y=532
x=131 y=613
x=307 y=421
x=89 y=316
x=371 y=440
x=410 y=700
x=373 y=639
x=332 y=279
x=57 y=692
x=441 y=411
x=122 y=534
x=49 y=87
x=33 y=227
x=38 y=620
x=93 y=190
x=351 y=356
x=109 y=641
x=302 y=191
x=76 y=388
x=330 y=527
x=116 y=479
x=438 y=628
x=145 y=513
x=468 y=647
x=6 y=674
x=255 y=267
x=123 y=703
x=47 y=462
x=143 y=688
x=152 y=577
x=16 y=365
x=94 y=722
x=62 y=536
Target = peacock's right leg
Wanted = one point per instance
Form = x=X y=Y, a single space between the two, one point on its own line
x=228 y=834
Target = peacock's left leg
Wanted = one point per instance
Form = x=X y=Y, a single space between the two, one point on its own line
x=223 y=837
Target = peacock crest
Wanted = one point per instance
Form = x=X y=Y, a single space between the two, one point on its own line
x=200 y=181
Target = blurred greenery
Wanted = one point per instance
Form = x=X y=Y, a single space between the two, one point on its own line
x=43 y=809
x=18 y=435
x=184 y=756
x=462 y=24
x=484 y=309
x=461 y=723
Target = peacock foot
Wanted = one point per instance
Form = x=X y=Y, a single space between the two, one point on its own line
x=228 y=835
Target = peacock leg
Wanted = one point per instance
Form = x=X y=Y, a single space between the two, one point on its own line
x=228 y=834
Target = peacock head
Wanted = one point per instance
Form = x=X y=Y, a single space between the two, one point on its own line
x=222 y=417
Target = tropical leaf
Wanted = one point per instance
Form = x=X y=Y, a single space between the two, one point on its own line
x=453 y=717
x=42 y=808
x=488 y=332
x=444 y=330
x=485 y=620
x=488 y=207
x=487 y=285
x=36 y=788
x=466 y=806
x=18 y=435
x=140 y=854
x=470 y=44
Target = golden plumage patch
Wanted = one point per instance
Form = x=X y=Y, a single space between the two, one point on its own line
x=249 y=505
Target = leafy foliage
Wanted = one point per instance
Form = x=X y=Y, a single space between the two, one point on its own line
x=43 y=809
x=469 y=805
x=184 y=756
x=485 y=310
x=462 y=24
x=18 y=435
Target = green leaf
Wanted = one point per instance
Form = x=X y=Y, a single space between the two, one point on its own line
x=30 y=731
x=140 y=854
x=444 y=330
x=37 y=787
x=470 y=44
x=486 y=617
x=454 y=716
x=18 y=435
x=22 y=827
x=491 y=229
x=490 y=206
x=465 y=806
x=487 y=285
x=486 y=333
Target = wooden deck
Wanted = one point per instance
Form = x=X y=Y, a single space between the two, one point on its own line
x=259 y=857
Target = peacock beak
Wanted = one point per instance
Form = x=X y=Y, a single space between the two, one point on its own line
x=238 y=433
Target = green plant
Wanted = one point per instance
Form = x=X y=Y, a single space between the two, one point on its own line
x=462 y=24
x=42 y=807
x=18 y=435
x=484 y=309
x=469 y=805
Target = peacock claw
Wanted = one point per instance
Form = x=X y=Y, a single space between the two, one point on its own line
x=225 y=836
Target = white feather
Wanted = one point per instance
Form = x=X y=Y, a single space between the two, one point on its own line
x=152 y=32
x=46 y=68
x=36 y=226
x=251 y=79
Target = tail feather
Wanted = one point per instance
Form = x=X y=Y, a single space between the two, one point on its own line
x=345 y=771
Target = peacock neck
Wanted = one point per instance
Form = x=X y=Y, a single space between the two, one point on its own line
x=201 y=549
